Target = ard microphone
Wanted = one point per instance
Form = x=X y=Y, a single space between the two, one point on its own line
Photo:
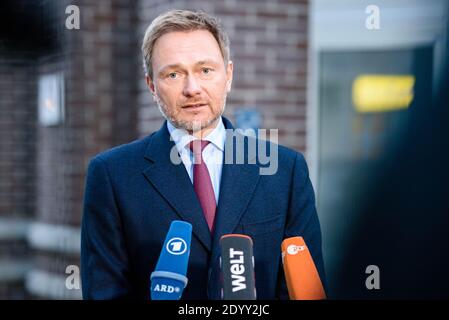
x=169 y=279
x=237 y=267
x=303 y=280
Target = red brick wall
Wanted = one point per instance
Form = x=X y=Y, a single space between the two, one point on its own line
x=17 y=136
x=100 y=90
x=17 y=166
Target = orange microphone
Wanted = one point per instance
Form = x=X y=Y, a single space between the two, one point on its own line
x=303 y=280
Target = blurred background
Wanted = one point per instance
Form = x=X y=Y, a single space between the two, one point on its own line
x=357 y=86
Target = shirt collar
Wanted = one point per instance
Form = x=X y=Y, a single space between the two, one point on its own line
x=181 y=137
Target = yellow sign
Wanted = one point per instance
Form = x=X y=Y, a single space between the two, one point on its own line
x=381 y=93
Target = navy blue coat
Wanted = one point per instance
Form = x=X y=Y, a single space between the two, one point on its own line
x=133 y=192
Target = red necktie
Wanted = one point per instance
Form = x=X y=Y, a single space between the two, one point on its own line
x=202 y=182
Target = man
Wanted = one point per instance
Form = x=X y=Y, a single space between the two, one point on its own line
x=134 y=191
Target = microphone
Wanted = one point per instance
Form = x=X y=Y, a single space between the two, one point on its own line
x=303 y=280
x=168 y=280
x=237 y=267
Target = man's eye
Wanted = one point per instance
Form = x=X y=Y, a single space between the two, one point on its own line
x=207 y=70
x=172 y=75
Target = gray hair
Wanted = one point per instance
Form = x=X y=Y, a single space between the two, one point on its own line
x=182 y=20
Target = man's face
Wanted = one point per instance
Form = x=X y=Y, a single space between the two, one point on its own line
x=190 y=80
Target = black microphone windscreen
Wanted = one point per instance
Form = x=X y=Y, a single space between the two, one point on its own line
x=237 y=267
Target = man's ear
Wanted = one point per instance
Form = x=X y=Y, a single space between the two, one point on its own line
x=229 y=74
x=150 y=84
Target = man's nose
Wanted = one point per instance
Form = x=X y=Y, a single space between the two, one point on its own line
x=191 y=87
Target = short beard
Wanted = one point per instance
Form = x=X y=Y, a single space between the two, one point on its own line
x=190 y=126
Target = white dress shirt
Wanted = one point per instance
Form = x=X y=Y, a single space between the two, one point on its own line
x=212 y=153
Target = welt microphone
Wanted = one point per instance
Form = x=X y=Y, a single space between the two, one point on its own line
x=237 y=267
x=169 y=279
x=303 y=280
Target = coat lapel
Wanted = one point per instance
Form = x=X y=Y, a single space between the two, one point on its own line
x=238 y=183
x=237 y=187
x=174 y=185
